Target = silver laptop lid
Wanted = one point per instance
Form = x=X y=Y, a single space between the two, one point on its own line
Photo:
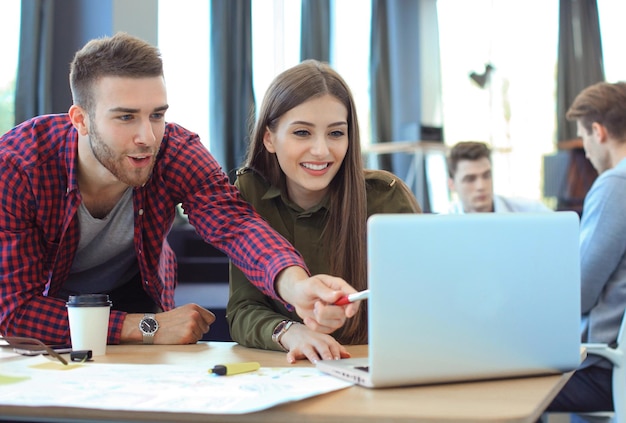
x=463 y=297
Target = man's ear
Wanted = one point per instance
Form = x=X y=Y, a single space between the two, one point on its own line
x=451 y=185
x=599 y=131
x=80 y=119
x=268 y=142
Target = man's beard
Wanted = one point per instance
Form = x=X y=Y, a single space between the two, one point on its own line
x=113 y=163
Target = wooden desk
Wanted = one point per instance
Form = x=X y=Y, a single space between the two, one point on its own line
x=512 y=400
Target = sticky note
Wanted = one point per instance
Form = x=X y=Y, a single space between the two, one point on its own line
x=54 y=365
x=7 y=380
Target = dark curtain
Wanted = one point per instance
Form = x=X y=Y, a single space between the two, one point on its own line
x=51 y=33
x=396 y=81
x=580 y=64
x=33 y=93
x=232 y=97
x=396 y=73
x=380 y=62
x=315 y=30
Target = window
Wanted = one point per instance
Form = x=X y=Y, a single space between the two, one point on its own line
x=10 y=12
x=186 y=62
x=351 y=29
x=515 y=110
x=276 y=47
x=275 y=41
x=613 y=33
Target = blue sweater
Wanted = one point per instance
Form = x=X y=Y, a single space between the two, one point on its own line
x=603 y=259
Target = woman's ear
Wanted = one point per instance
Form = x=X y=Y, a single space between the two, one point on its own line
x=79 y=119
x=268 y=141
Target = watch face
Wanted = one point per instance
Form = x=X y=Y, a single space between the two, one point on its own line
x=280 y=327
x=149 y=325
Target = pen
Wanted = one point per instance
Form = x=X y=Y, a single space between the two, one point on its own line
x=347 y=299
x=234 y=368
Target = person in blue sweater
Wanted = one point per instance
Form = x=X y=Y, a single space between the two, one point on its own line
x=600 y=115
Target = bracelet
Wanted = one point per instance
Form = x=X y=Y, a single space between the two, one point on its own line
x=280 y=330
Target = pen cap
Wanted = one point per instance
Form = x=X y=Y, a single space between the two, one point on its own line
x=219 y=370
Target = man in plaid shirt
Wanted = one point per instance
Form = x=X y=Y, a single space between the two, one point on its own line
x=87 y=199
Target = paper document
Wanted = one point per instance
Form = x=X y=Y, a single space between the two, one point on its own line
x=164 y=388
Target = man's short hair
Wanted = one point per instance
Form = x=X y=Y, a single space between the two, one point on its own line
x=120 y=55
x=604 y=103
x=466 y=150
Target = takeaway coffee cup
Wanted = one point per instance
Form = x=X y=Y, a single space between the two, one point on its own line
x=89 y=322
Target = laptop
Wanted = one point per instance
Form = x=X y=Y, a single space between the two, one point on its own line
x=467 y=297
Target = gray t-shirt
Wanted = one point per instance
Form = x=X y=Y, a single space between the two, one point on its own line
x=105 y=258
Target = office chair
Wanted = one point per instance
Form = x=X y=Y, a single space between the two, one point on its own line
x=616 y=354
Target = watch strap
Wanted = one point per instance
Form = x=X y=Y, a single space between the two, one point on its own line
x=148 y=337
x=280 y=330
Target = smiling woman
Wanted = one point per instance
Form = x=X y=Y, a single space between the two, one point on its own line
x=304 y=174
x=310 y=142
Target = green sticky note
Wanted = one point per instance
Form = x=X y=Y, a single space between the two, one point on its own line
x=6 y=380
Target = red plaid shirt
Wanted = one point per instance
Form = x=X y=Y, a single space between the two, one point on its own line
x=39 y=230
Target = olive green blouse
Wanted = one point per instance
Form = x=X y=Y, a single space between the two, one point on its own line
x=253 y=316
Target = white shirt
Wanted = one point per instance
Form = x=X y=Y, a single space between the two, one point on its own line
x=507 y=205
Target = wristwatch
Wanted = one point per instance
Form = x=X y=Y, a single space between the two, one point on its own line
x=148 y=327
x=280 y=330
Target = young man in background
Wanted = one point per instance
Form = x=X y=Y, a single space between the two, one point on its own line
x=471 y=177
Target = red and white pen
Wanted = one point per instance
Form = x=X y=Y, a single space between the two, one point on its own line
x=357 y=296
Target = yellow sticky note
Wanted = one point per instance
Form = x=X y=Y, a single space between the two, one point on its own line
x=54 y=365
